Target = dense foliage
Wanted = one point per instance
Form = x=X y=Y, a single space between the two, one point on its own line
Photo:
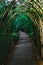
x=23 y=17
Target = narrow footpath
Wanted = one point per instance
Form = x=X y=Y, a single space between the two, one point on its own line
x=24 y=52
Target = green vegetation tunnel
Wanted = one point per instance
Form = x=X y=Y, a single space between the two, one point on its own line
x=9 y=29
